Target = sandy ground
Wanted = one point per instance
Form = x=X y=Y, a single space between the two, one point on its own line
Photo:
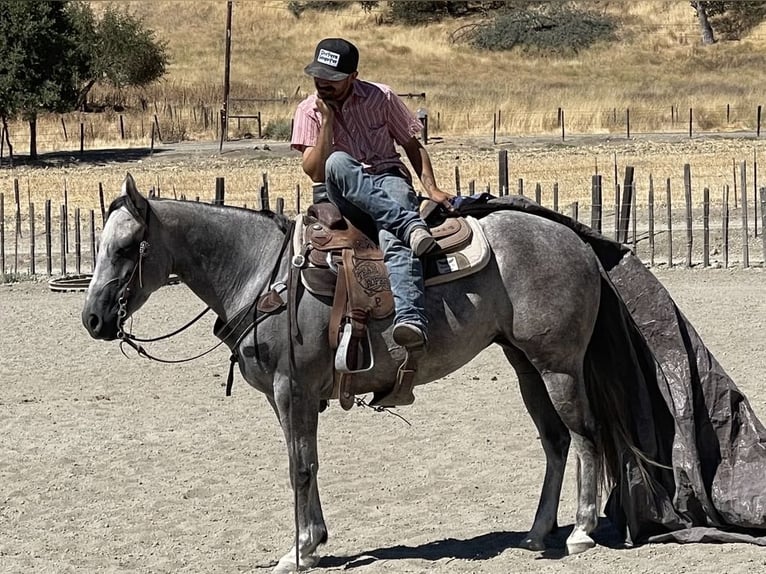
x=110 y=464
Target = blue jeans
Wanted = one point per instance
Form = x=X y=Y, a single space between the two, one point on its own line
x=391 y=203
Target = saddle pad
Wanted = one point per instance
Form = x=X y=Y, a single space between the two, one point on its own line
x=438 y=269
x=445 y=267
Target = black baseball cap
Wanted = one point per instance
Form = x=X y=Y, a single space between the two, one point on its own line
x=334 y=59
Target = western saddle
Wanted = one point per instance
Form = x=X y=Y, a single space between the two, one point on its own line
x=338 y=260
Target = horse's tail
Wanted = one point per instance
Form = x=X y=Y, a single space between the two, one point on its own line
x=620 y=379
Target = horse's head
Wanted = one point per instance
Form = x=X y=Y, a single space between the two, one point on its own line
x=128 y=266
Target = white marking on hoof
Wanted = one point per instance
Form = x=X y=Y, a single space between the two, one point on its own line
x=532 y=543
x=578 y=542
x=286 y=564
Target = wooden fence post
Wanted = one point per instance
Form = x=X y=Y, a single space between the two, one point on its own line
x=595 y=207
x=763 y=222
x=575 y=210
x=688 y=202
x=538 y=194
x=220 y=190
x=32 y=270
x=298 y=198
x=48 y=239
x=2 y=236
x=745 y=246
x=555 y=196
x=627 y=201
x=17 y=226
x=63 y=241
x=670 y=223
x=265 y=192
x=725 y=224
x=92 y=240
x=706 y=228
x=650 y=216
x=101 y=204
x=457 y=180
x=502 y=180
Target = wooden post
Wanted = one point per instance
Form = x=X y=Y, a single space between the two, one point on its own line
x=688 y=202
x=122 y=128
x=494 y=129
x=63 y=127
x=32 y=270
x=755 y=195
x=575 y=210
x=297 y=198
x=563 y=135
x=745 y=246
x=555 y=196
x=48 y=239
x=670 y=223
x=82 y=138
x=520 y=187
x=220 y=190
x=457 y=180
x=734 y=170
x=763 y=223
x=706 y=228
x=17 y=229
x=92 y=240
x=265 y=192
x=725 y=223
x=472 y=187
x=62 y=236
x=2 y=236
x=77 y=242
x=650 y=215
x=101 y=203
x=627 y=121
x=691 y=117
x=617 y=212
x=595 y=203
x=634 y=239
x=66 y=217
x=627 y=201
x=758 y=122
x=502 y=180
x=280 y=205
x=538 y=194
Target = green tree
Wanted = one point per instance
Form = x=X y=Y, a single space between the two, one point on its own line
x=39 y=61
x=119 y=49
x=729 y=19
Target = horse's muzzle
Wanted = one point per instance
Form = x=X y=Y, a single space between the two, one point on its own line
x=98 y=328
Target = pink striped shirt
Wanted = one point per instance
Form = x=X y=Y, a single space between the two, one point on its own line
x=370 y=122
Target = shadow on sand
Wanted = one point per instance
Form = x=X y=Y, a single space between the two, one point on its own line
x=69 y=158
x=483 y=547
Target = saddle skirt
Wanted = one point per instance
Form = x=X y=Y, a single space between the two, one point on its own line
x=463 y=250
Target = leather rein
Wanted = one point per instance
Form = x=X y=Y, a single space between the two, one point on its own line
x=232 y=326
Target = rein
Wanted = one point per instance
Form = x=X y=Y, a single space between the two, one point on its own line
x=226 y=330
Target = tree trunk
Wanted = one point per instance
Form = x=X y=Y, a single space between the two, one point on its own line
x=33 y=137
x=705 y=28
x=5 y=135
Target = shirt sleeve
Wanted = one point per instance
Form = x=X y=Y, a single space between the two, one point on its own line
x=305 y=125
x=403 y=125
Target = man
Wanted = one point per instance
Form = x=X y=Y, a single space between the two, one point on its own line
x=347 y=133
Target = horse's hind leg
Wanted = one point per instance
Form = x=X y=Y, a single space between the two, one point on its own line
x=555 y=439
x=567 y=394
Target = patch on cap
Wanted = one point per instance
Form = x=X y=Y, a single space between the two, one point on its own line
x=328 y=58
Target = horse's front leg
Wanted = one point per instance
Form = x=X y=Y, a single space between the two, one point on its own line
x=297 y=407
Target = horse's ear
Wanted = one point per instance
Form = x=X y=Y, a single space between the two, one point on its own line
x=130 y=190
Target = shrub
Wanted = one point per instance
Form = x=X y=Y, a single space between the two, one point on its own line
x=553 y=29
x=279 y=129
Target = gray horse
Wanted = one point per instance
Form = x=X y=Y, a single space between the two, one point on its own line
x=538 y=298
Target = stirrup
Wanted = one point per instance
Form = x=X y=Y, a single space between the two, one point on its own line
x=354 y=355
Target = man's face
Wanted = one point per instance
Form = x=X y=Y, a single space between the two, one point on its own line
x=334 y=92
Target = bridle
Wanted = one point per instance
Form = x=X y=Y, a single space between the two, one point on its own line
x=242 y=322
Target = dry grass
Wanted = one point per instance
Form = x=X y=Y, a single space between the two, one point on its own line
x=657 y=64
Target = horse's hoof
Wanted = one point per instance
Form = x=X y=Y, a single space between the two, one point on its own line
x=530 y=543
x=579 y=542
x=286 y=564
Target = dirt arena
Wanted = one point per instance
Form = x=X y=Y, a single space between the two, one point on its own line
x=114 y=464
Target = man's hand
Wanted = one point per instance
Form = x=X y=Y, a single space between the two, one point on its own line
x=328 y=114
x=442 y=198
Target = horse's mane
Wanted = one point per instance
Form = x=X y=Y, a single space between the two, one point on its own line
x=282 y=221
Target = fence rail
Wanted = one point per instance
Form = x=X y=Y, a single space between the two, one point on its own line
x=697 y=235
